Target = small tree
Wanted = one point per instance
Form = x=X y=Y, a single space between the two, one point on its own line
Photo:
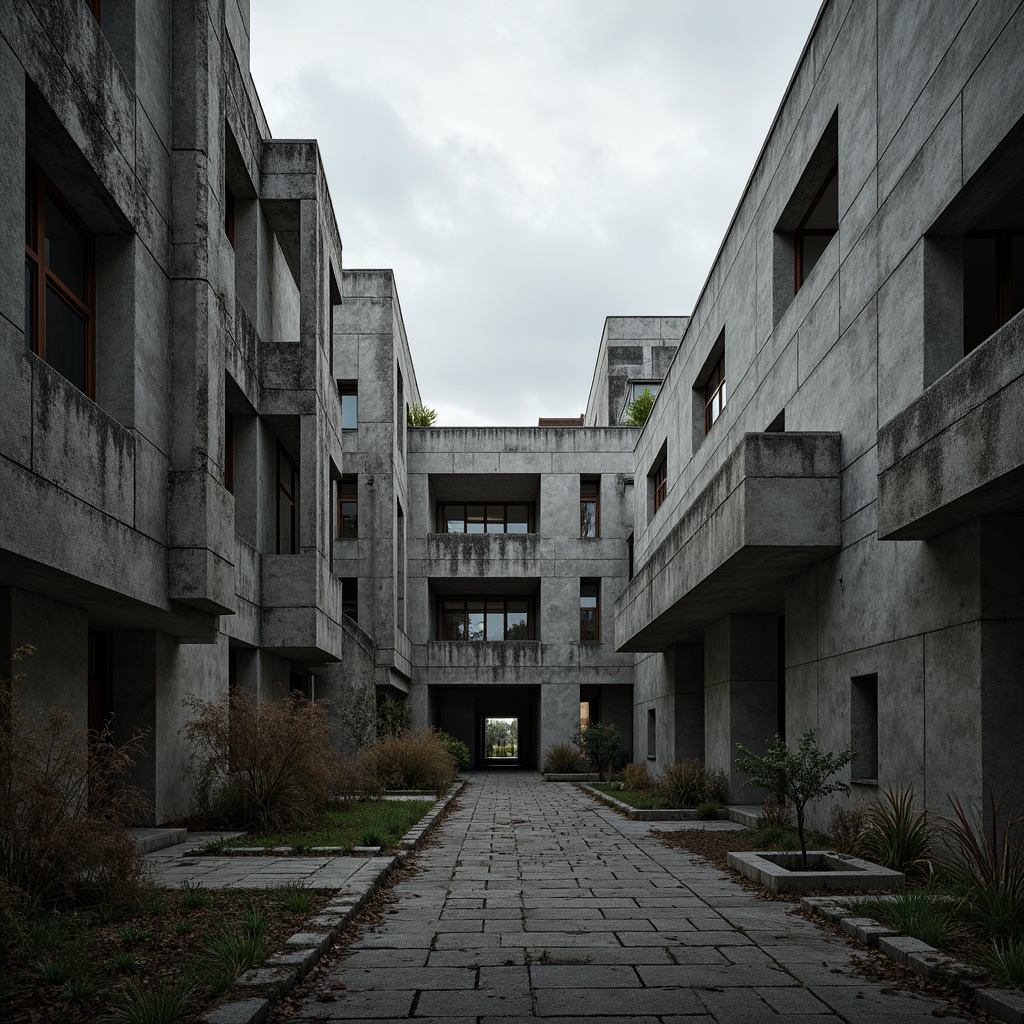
x=797 y=777
x=639 y=409
x=601 y=744
x=421 y=416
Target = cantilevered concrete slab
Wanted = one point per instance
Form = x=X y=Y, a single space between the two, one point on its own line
x=771 y=511
x=957 y=452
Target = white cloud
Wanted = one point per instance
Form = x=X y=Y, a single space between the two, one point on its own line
x=528 y=167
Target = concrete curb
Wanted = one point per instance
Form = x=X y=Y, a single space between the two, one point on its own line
x=919 y=957
x=278 y=974
x=644 y=814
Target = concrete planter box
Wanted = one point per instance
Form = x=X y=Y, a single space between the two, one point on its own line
x=646 y=813
x=571 y=777
x=782 y=872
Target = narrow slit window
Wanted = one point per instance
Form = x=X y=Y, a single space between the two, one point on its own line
x=864 y=726
x=590 y=611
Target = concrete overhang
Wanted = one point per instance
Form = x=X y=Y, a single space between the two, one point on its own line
x=300 y=613
x=770 y=512
x=957 y=452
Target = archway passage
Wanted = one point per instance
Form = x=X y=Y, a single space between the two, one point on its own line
x=499 y=724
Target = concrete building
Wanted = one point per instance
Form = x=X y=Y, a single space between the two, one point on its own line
x=209 y=480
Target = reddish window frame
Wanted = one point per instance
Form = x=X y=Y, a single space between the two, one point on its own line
x=714 y=387
x=348 y=491
x=660 y=476
x=590 y=494
x=802 y=232
x=43 y=276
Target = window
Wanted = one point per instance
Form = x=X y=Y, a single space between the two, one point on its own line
x=348 y=506
x=638 y=387
x=229 y=452
x=657 y=480
x=489 y=518
x=590 y=611
x=476 y=619
x=864 y=726
x=350 y=597
x=815 y=231
x=59 y=284
x=349 y=404
x=229 y=214
x=287 y=504
x=993 y=282
x=629 y=556
x=590 y=506
x=714 y=393
x=652 y=734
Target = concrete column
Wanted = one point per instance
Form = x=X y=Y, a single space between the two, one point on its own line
x=740 y=693
x=688 y=673
x=559 y=716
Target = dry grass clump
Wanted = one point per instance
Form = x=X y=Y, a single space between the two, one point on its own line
x=64 y=811
x=409 y=760
x=563 y=759
x=261 y=764
x=637 y=775
x=846 y=828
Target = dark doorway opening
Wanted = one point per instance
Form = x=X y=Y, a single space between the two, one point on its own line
x=499 y=724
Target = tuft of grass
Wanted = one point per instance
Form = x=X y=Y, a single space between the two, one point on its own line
x=563 y=759
x=125 y=963
x=129 y=937
x=108 y=913
x=253 y=923
x=215 y=846
x=294 y=897
x=47 y=934
x=1006 y=963
x=183 y=928
x=919 y=913
x=897 y=834
x=230 y=954
x=78 y=991
x=373 y=835
x=155 y=905
x=193 y=895
x=163 y=1004
x=707 y=811
x=54 y=972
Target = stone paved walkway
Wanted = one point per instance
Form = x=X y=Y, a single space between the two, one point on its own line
x=537 y=902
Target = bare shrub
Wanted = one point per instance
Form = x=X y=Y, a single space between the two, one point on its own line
x=846 y=828
x=356 y=713
x=684 y=783
x=394 y=717
x=716 y=786
x=563 y=759
x=412 y=760
x=776 y=813
x=637 y=776
x=261 y=764
x=65 y=810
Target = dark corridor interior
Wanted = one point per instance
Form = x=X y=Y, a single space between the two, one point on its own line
x=463 y=711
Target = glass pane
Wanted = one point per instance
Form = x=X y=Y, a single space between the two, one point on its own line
x=349 y=519
x=65 y=339
x=454 y=623
x=349 y=412
x=476 y=625
x=474 y=519
x=981 y=291
x=455 y=518
x=812 y=246
x=285 y=514
x=495 y=625
x=518 y=621
x=588 y=518
x=826 y=211
x=30 y=320
x=588 y=625
x=65 y=249
x=495 y=518
x=518 y=518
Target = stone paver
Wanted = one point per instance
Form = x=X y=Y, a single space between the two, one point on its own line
x=536 y=902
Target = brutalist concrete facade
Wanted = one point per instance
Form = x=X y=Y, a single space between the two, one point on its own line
x=855 y=568
x=819 y=526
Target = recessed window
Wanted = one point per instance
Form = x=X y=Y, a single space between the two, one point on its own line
x=864 y=726
x=287 y=504
x=590 y=506
x=815 y=231
x=485 y=518
x=657 y=480
x=229 y=214
x=229 y=451
x=59 y=283
x=638 y=387
x=348 y=506
x=349 y=394
x=652 y=734
x=350 y=597
x=993 y=282
x=590 y=611
x=714 y=394
x=479 y=619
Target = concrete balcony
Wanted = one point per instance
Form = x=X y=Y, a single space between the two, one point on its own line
x=957 y=452
x=484 y=555
x=300 y=614
x=770 y=512
x=485 y=656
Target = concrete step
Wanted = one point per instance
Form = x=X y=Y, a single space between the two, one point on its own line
x=149 y=840
x=745 y=814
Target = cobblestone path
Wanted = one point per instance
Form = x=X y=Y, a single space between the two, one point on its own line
x=538 y=903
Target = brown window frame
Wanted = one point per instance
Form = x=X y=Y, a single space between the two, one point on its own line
x=442 y=516
x=95 y=6
x=348 y=389
x=659 y=476
x=42 y=277
x=585 y=612
x=590 y=497
x=802 y=232
x=293 y=498
x=484 y=599
x=714 y=387
x=348 y=493
x=1003 y=237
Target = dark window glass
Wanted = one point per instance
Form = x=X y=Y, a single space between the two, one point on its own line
x=518 y=519
x=66 y=249
x=820 y=223
x=66 y=337
x=518 y=627
x=475 y=518
x=714 y=394
x=454 y=518
x=475 y=620
x=993 y=283
x=589 y=612
x=229 y=452
x=348 y=507
x=492 y=619
x=287 y=504
x=495 y=518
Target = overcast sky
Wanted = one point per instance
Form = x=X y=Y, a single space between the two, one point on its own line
x=528 y=167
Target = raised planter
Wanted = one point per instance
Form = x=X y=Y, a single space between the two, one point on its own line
x=783 y=872
x=649 y=813
x=571 y=777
